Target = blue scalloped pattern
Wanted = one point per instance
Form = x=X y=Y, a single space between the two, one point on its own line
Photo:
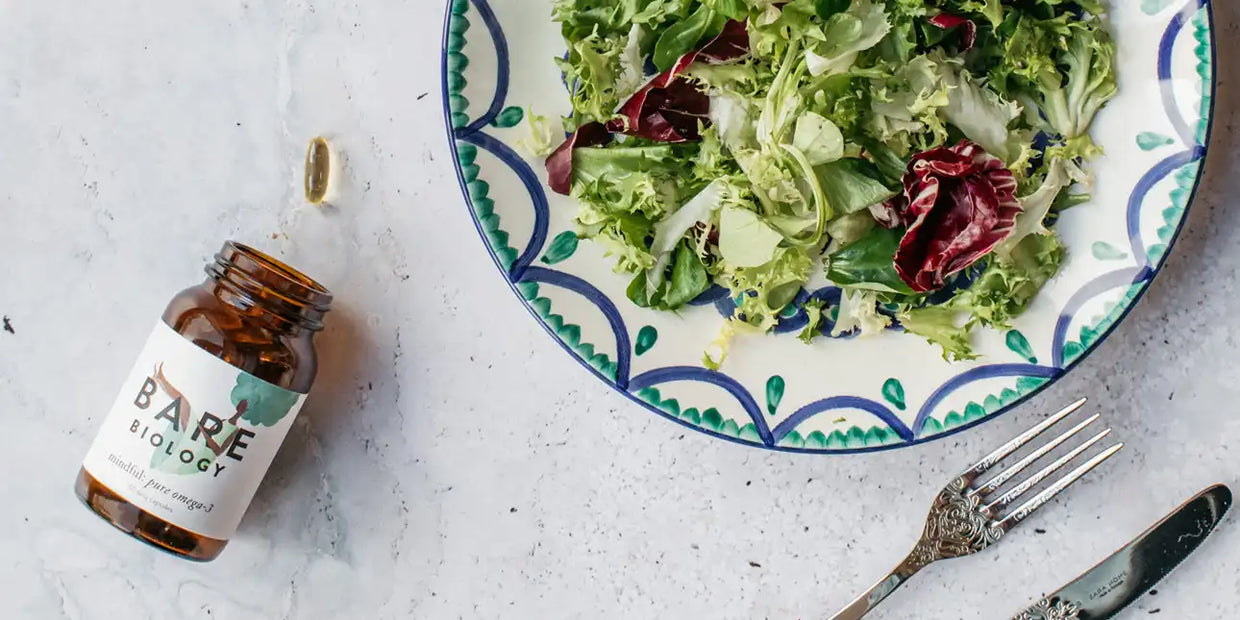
x=889 y=431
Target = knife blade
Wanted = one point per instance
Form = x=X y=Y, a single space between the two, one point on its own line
x=1104 y=590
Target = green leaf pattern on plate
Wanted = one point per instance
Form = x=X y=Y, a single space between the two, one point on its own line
x=509 y=117
x=562 y=247
x=893 y=392
x=646 y=338
x=1105 y=251
x=1149 y=140
x=1019 y=345
x=774 y=393
x=853 y=437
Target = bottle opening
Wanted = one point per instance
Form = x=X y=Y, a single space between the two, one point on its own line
x=270 y=285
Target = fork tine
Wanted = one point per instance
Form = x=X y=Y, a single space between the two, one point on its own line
x=994 y=457
x=993 y=484
x=1034 y=480
x=1027 y=508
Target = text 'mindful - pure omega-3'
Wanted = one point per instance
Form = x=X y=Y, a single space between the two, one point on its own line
x=211 y=397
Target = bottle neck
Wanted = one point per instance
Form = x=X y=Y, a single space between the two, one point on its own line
x=258 y=284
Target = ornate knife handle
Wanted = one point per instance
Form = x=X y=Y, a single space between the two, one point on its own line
x=1050 y=609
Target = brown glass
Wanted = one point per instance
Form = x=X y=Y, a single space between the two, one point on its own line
x=255 y=313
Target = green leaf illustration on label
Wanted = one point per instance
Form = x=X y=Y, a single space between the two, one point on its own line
x=261 y=403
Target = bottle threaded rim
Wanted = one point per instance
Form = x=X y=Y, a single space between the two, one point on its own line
x=271 y=285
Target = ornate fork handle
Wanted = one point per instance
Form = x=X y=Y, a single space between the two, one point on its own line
x=967 y=517
x=880 y=591
x=957 y=526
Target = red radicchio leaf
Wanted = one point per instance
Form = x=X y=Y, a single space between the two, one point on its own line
x=560 y=162
x=671 y=113
x=732 y=42
x=958 y=204
x=669 y=108
x=947 y=21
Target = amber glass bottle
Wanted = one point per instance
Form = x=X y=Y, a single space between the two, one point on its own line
x=211 y=397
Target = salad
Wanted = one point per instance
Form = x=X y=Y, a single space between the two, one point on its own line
x=915 y=154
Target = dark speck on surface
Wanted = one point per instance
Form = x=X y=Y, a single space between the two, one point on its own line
x=8 y=326
x=422 y=96
x=513 y=509
x=1154 y=611
x=1038 y=530
x=1153 y=592
x=755 y=564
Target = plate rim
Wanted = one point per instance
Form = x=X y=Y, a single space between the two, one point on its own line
x=1200 y=149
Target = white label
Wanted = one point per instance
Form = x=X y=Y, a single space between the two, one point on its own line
x=190 y=436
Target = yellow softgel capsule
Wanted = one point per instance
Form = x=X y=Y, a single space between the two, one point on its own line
x=318 y=170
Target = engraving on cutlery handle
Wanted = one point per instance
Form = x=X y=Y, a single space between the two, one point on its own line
x=1050 y=609
x=956 y=527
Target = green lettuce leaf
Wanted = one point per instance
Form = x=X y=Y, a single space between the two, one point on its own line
x=814 y=317
x=623 y=191
x=592 y=70
x=818 y=138
x=1008 y=285
x=669 y=231
x=852 y=185
x=941 y=326
x=848 y=34
x=686 y=35
x=544 y=135
x=851 y=227
x=688 y=278
x=744 y=239
x=632 y=70
x=978 y=112
x=1036 y=206
x=1034 y=55
x=868 y=263
x=764 y=291
x=859 y=311
x=685 y=280
x=905 y=108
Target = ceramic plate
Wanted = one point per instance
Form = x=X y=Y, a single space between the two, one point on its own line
x=838 y=395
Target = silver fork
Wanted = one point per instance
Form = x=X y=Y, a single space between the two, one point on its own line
x=966 y=517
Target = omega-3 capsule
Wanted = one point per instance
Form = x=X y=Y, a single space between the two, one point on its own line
x=318 y=171
x=207 y=404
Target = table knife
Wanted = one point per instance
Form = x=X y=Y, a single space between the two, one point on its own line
x=1110 y=586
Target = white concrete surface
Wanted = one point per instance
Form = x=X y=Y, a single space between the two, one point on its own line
x=453 y=462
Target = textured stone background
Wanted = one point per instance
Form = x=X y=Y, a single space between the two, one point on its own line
x=445 y=468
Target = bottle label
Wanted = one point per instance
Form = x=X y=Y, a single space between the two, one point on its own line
x=190 y=436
